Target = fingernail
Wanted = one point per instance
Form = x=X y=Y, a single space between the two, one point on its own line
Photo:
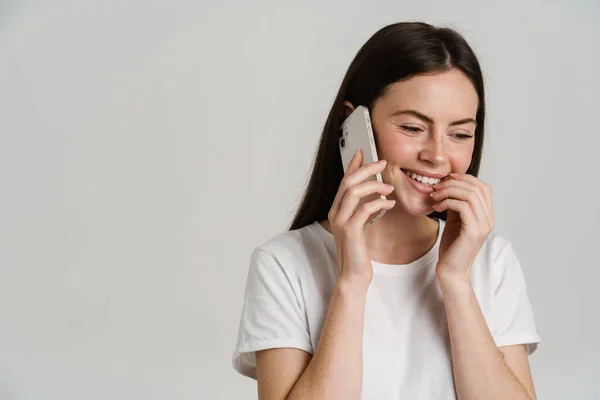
x=381 y=162
x=355 y=154
x=453 y=174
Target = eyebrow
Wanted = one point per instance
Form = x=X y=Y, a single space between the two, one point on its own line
x=429 y=120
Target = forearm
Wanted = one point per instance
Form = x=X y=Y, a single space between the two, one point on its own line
x=479 y=368
x=336 y=368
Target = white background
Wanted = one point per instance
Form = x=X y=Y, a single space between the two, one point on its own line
x=148 y=146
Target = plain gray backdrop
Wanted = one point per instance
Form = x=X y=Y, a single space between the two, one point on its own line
x=148 y=146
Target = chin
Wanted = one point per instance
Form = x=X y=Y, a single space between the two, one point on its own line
x=416 y=207
x=410 y=200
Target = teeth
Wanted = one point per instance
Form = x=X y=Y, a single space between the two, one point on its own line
x=424 y=180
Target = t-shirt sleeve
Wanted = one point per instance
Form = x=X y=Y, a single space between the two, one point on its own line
x=513 y=321
x=273 y=314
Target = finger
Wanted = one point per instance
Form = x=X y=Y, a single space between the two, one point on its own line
x=462 y=208
x=485 y=188
x=466 y=194
x=362 y=173
x=457 y=183
x=360 y=217
x=356 y=193
x=356 y=177
x=355 y=163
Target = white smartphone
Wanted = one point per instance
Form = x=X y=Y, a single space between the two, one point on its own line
x=357 y=133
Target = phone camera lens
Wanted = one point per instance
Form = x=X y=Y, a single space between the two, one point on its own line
x=343 y=142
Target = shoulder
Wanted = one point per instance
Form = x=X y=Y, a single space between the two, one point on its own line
x=292 y=248
x=497 y=246
x=496 y=275
x=287 y=242
x=497 y=255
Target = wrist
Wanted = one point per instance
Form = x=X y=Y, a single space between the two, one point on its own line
x=453 y=280
x=352 y=286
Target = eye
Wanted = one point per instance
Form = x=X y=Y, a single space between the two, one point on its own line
x=412 y=129
x=463 y=136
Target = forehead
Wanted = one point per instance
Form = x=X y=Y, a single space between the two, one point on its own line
x=447 y=95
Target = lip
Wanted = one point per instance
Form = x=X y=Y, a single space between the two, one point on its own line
x=423 y=173
x=418 y=185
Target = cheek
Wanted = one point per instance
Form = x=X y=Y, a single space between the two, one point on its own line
x=395 y=150
x=461 y=159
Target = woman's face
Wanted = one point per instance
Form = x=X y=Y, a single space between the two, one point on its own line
x=426 y=123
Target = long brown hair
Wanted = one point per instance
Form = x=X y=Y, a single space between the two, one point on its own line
x=394 y=53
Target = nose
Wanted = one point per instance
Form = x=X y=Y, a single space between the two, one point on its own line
x=433 y=150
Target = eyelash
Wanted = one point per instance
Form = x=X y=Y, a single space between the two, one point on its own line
x=413 y=129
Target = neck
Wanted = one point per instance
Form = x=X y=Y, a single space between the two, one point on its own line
x=398 y=237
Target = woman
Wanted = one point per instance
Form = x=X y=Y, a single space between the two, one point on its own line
x=425 y=303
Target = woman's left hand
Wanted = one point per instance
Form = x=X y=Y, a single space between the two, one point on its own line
x=469 y=222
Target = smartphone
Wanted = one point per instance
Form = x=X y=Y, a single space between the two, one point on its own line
x=357 y=133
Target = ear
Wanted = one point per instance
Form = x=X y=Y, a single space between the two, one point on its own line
x=348 y=109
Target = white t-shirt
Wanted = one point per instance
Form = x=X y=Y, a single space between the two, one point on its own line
x=406 y=346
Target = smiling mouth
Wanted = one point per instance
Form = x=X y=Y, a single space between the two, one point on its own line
x=421 y=179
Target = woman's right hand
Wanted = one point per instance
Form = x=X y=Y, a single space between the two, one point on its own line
x=348 y=222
